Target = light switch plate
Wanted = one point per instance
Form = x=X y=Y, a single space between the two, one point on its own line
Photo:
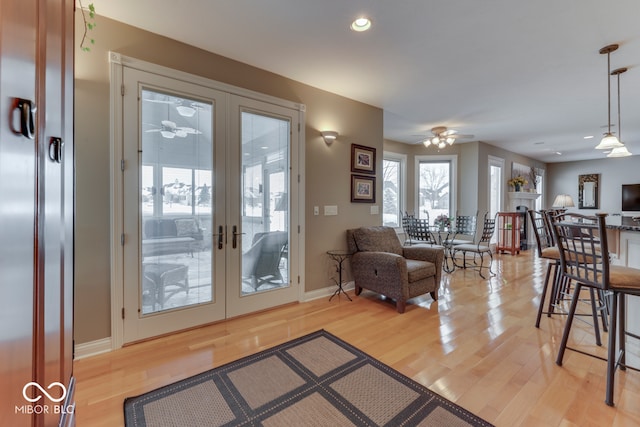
x=330 y=210
x=375 y=210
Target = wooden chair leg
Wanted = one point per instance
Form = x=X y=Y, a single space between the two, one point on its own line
x=400 y=306
x=434 y=295
x=357 y=290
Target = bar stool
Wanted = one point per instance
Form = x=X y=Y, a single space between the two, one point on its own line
x=584 y=259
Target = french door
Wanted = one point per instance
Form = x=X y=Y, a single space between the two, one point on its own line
x=206 y=204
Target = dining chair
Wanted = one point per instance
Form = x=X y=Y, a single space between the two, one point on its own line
x=417 y=230
x=481 y=248
x=464 y=226
x=584 y=259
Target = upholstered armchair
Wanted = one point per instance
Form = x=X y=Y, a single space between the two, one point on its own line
x=381 y=264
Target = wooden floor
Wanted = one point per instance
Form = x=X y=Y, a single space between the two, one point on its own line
x=477 y=346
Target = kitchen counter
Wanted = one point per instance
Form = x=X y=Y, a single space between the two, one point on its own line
x=622 y=223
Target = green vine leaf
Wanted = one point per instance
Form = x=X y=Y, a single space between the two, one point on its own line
x=88 y=16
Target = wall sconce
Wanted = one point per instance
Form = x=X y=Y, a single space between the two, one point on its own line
x=329 y=136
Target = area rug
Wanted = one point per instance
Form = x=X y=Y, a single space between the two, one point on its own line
x=316 y=380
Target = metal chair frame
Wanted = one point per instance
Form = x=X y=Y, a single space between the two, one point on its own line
x=482 y=247
x=584 y=259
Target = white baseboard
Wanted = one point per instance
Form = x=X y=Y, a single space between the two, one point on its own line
x=92 y=348
x=325 y=292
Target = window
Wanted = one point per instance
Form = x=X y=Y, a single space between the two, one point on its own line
x=393 y=189
x=540 y=189
x=496 y=188
x=436 y=186
x=496 y=185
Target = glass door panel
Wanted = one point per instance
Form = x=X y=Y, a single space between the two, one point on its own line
x=176 y=264
x=265 y=148
x=263 y=274
x=173 y=274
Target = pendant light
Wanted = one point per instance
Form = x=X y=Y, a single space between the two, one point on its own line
x=609 y=141
x=619 y=151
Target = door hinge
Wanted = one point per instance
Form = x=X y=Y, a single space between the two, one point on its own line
x=298 y=280
x=122 y=312
x=298 y=179
x=122 y=89
x=122 y=239
x=298 y=229
x=122 y=165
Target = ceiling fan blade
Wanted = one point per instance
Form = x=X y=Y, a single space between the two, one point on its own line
x=153 y=130
x=187 y=130
x=181 y=133
x=169 y=124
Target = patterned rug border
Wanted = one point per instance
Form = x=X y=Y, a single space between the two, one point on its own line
x=134 y=406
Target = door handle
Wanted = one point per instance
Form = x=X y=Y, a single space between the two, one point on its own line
x=235 y=236
x=27 y=110
x=220 y=236
x=55 y=149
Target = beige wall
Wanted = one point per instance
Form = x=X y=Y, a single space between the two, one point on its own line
x=563 y=179
x=327 y=172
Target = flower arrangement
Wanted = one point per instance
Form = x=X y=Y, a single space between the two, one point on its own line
x=442 y=221
x=517 y=181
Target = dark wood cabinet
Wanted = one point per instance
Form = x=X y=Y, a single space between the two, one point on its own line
x=36 y=212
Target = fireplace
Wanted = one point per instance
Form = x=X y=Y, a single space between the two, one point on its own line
x=518 y=199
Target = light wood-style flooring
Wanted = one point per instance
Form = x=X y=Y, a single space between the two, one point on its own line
x=477 y=346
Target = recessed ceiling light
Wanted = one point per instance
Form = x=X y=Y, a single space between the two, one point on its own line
x=558 y=153
x=361 y=24
x=538 y=143
x=588 y=137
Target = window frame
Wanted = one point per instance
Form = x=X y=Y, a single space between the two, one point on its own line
x=402 y=183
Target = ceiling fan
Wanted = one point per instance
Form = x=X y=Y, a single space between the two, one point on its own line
x=170 y=130
x=185 y=109
x=443 y=137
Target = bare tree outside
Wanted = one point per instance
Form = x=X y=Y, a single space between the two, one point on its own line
x=434 y=189
x=391 y=190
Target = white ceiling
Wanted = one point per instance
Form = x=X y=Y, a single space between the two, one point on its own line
x=522 y=75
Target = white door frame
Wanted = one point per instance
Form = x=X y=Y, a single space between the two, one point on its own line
x=117 y=64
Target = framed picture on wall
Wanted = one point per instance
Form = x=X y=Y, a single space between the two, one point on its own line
x=363 y=189
x=363 y=159
x=588 y=191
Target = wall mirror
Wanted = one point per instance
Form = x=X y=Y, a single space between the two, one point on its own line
x=588 y=191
